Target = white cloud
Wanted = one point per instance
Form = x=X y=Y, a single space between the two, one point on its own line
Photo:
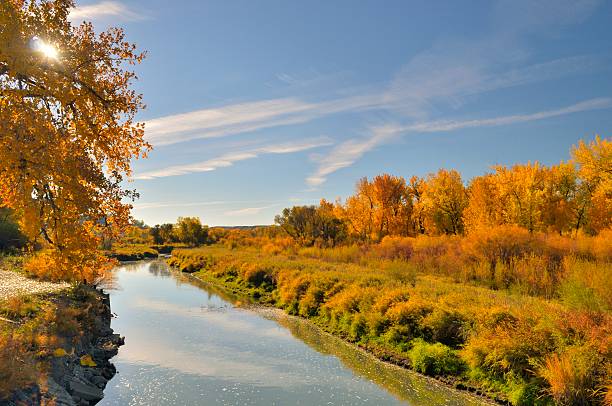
x=105 y=9
x=347 y=153
x=435 y=78
x=248 y=211
x=229 y=159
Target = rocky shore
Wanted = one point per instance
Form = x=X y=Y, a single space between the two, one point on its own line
x=78 y=375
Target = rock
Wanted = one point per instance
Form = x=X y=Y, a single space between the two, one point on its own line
x=58 y=394
x=86 y=392
x=99 y=381
x=109 y=372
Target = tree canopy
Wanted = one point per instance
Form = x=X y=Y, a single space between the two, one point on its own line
x=67 y=132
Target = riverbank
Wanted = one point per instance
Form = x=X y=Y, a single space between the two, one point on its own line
x=138 y=252
x=496 y=343
x=57 y=347
x=268 y=310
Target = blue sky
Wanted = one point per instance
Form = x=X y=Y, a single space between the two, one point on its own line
x=253 y=106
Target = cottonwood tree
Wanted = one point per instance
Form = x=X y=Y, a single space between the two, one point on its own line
x=444 y=199
x=594 y=160
x=67 y=132
x=190 y=231
x=309 y=225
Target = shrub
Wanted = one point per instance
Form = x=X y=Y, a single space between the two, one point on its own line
x=16 y=366
x=446 y=327
x=434 y=359
x=394 y=247
x=358 y=328
x=255 y=275
x=571 y=375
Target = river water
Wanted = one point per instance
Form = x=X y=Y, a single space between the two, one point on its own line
x=188 y=343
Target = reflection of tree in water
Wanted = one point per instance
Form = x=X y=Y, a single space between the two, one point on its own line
x=405 y=385
x=159 y=268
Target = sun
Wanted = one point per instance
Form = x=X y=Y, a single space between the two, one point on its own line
x=48 y=50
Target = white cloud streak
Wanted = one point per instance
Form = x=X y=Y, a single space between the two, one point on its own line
x=431 y=78
x=347 y=153
x=105 y=9
x=248 y=211
x=229 y=159
x=245 y=117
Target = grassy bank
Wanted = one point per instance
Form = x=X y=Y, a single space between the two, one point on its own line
x=513 y=346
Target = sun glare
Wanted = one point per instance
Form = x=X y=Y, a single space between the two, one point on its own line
x=44 y=48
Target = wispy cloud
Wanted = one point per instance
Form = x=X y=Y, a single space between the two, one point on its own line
x=347 y=153
x=246 y=117
x=229 y=159
x=223 y=203
x=106 y=9
x=434 y=78
x=248 y=211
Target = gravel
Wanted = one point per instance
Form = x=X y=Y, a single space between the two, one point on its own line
x=14 y=284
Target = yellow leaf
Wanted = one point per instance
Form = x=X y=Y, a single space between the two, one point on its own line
x=87 y=361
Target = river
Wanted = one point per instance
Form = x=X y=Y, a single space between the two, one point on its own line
x=188 y=343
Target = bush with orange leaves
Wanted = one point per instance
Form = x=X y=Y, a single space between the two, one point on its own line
x=53 y=265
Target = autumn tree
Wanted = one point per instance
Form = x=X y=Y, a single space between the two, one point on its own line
x=562 y=198
x=392 y=206
x=444 y=200
x=67 y=132
x=333 y=229
x=416 y=190
x=309 y=225
x=358 y=211
x=379 y=208
x=521 y=191
x=190 y=231
x=483 y=209
x=594 y=162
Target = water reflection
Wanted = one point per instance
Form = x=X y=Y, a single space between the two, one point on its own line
x=186 y=343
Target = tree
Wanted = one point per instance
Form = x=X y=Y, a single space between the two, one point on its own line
x=67 y=132
x=416 y=190
x=595 y=191
x=163 y=234
x=562 y=197
x=379 y=208
x=166 y=233
x=308 y=225
x=189 y=230
x=358 y=211
x=521 y=191
x=393 y=207
x=483 y=209
x=444 y=200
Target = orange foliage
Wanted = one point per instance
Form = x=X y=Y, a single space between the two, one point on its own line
x=70 y=117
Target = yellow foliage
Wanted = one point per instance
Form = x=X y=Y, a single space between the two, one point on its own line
x=87 y=361
x=69 y=134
